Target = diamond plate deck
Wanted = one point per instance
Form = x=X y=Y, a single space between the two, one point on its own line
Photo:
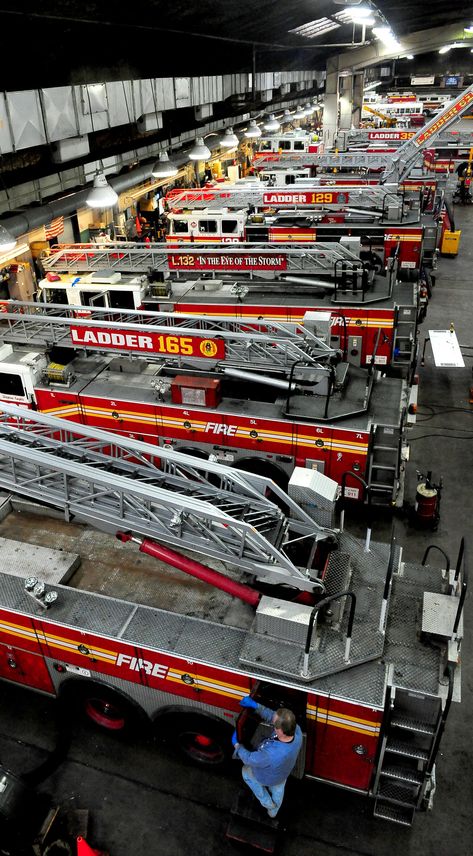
x=29 y=560
x=226 y=641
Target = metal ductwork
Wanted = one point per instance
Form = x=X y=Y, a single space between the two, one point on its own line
x=32 y=218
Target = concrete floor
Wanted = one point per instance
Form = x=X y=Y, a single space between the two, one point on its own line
x=145 y=802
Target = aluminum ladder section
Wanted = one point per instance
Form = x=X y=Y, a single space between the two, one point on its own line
x=253 y=343
x=321 y=196
x=397 y=136
x=115 y=484
x=316 y=258
x=406 y=156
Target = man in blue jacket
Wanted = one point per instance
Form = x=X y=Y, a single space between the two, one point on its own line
x=266 y=769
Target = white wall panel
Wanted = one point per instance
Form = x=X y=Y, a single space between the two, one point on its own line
x=26 y=119
x=121 y=108
x=165 y=93
x=59 y=113
x=6 y=142
x=182 y=89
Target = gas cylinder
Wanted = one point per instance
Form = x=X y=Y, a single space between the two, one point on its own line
x=426 y=504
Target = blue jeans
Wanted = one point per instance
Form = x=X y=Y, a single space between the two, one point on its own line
x=270 y=796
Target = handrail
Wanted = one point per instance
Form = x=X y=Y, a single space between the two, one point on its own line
x=434 y=547
x=310 y=627
x=461 y=557
x=367 y=494
x=448 y=701
x=387 y=583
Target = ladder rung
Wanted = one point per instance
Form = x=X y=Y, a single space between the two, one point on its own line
x=394 y=813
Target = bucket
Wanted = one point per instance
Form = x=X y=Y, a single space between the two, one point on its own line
x=426 y=503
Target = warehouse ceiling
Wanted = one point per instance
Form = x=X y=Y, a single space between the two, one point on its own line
x=68 y=41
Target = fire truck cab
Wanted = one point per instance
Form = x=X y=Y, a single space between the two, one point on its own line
x=102 y=288
x=209 y=224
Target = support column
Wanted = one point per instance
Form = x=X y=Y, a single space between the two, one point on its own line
x=330 y=116
x=345 y=102
x=358 y=86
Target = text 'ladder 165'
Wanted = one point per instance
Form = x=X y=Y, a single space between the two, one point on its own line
x=249 y=342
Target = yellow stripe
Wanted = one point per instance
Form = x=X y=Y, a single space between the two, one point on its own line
x=320 y=711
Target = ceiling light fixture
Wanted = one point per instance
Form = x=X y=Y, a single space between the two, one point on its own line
x=7 y=241
x=199 y=151
x=409 y=56
x=229 y=139
x=347 y=2
x=272 y=123
x=287 y=117
x=163 y=167
x=468 y=29
x=253 y=131
x=102 y=194
x=299 y=114
x=445 y=49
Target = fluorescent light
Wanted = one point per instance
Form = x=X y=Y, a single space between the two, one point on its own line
x=102 y=194
x=445 y=49
x=315 y=28
x=229 y=139
x=468 y=29
x=272 y=123
x=408 y=56
x=253 y=131
x=163 y=167
x=199 y=151
x=372 y=86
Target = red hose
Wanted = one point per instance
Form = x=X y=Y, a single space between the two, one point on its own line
x=195 y=569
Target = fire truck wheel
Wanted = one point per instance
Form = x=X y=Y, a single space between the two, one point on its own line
x=103 y=707
x=202 y=739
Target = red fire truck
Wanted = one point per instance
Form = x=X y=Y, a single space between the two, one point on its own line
x=363 y=647
x=258 y=396
x=327 y=277
x=381 y=217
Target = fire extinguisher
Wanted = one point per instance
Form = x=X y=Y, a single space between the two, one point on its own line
x=427 y=502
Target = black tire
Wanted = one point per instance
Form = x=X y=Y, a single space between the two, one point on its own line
x=103 y=707
x=201 y=739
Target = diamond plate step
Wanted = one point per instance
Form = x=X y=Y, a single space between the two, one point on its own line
x=401 y=794
x=410 y=724
x=397 y=747
x=394 y=813
x=403 y=774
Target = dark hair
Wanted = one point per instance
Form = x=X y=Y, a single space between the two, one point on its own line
x=286 y=721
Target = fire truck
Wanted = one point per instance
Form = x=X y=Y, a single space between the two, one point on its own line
x=327 y=277
x=395 y=167
x=381 y=216
x=260 y=396
x=363 y=646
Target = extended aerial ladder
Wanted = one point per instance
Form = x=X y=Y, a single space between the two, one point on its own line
x=385 y=202
x=397 y=136
x=321 y=266
x=396 y=166
x=254 y=344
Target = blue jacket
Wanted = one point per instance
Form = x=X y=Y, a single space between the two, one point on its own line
x=272 y=762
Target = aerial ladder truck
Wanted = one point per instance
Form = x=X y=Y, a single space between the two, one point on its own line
x=255 y=282
x=363 y=646
x=261 y=395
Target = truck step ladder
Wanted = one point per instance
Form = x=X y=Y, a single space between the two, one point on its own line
x=384 y=465
x=250 y=823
